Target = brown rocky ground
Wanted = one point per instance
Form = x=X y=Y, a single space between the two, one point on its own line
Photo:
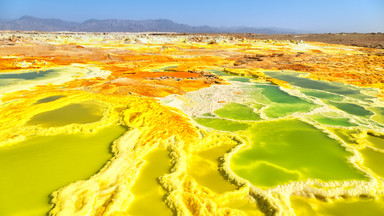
x=370 y=40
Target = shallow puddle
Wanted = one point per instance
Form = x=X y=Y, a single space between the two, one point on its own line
x=373 y=160
x=322 y=95
x=163 y=69
x=333 y=121
x=332 y=87
x=376 y=141
x=239 y=79
x=147 y=191
x=80 y=113
x=345 y=135
x=274 y=94
x=282 y=110
x=290 y=150
x=221 y=124
x=28 y=75
x=32 y=169
x=350 y=207
x=21 y=78
x=237 y=112
x=379 y=114
x=49 y=99
x=283 y=104
x=352 y=109
x=219 y=73
x=204 y=169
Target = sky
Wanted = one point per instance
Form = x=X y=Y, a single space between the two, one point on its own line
x=305 y=15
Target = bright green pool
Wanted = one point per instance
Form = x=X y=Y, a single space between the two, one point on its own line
x=291 y=150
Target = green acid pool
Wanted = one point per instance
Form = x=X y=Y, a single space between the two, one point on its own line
x=291 y=150
x=352 y=109
x=333 y=121
x=294 y=78
x=32 y=169
x=237 y=111
x=240 y=79
x=222 y=124
x=322 y=95
x=281 y=103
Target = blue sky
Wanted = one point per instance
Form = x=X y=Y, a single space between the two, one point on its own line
x=309 y=15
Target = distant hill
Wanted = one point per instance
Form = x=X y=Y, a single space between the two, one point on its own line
x=29 y=23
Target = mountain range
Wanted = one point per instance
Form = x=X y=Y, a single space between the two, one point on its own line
x=29 y=23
